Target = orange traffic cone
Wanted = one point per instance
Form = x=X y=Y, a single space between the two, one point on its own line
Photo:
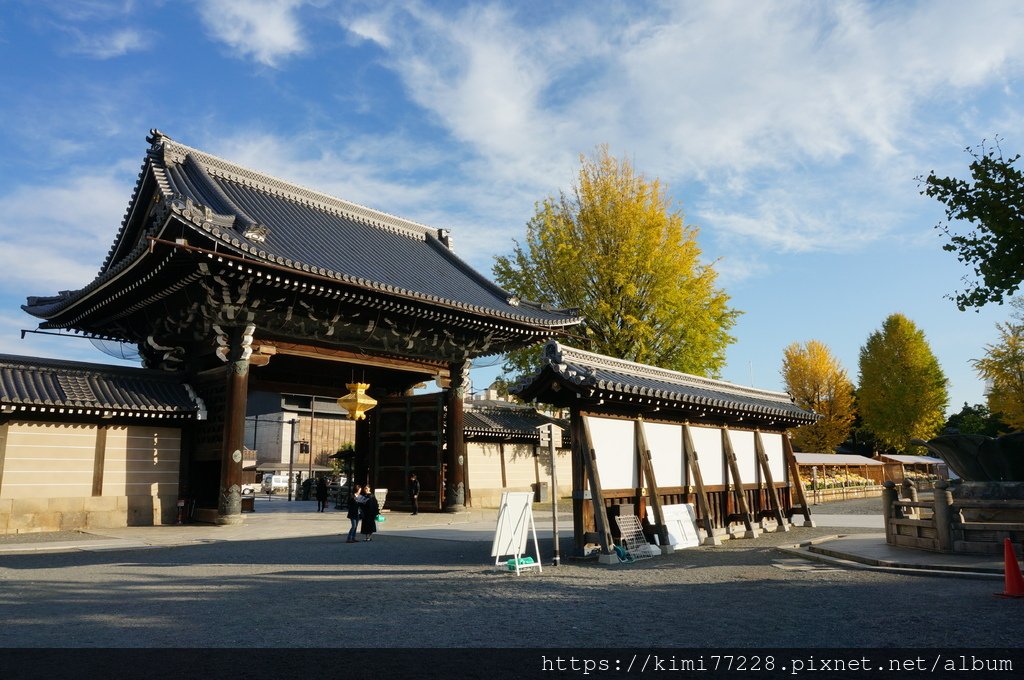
x=1014 y=581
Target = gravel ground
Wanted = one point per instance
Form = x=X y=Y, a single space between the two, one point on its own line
x=413 y=592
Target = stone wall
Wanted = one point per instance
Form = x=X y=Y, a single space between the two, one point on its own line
x=484 y=470
x=66 y=476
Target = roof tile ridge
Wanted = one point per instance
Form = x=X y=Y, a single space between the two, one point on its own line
x=510 y=298
x=645 y=370
x=73 y=367
x=220 y=167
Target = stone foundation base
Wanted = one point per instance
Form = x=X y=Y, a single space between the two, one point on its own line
x=29 y=515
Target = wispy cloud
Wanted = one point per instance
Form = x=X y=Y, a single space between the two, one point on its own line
x=266 y=31
x=727 y=94
x=114 y=44
x=55 y=237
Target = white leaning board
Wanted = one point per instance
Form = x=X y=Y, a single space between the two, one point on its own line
x=514 y=517
x=681 y=524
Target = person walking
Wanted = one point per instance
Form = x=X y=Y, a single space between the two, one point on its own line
x=355 y=509
x=370 y=510
x=321 y=493
x=414 y=493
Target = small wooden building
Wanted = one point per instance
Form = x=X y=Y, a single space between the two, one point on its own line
x=645 y=435
x=899 y=467
x=85 y=446
x=505 y=454
x=838 y=469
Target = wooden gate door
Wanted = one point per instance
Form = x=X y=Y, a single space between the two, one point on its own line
x=409 y=437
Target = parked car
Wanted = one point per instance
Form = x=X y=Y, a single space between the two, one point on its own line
x=275 y=483
x=251 y=489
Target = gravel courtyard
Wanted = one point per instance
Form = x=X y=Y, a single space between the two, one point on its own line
x=414 y=592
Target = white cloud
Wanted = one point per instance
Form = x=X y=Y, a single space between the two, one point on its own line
x=263 y=30
x=114 y=44
x=727 y=94
x=55 y=237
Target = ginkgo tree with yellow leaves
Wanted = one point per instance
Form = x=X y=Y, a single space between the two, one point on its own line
x=615 y=249
x=1003 y=368
x=817 y=381
x=902 y=392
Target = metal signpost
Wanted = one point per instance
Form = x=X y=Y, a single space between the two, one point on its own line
x=551 y=435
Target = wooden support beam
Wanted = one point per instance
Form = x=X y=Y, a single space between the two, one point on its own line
x=596 y=496
x=693 y=464
x=270 y=347
x=773 y=494
x=643 y=452
x=579 y=482
x=98 y=460
x=737 y=486
x=795 y=484
x=4 y=427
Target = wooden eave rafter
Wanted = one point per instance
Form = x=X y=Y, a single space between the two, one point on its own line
x=322 y=285
x=271 y=347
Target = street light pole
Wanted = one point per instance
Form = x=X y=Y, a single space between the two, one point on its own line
x=291 y=455
x=551 y=435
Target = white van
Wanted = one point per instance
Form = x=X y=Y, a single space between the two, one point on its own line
x=275 y=483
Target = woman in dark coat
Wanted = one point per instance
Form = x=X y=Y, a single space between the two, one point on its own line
x=370 y=510
x=355 y=510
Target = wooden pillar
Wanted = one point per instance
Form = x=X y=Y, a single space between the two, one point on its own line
x=647 y=468
x=455 y=461
x=743 y=513
x=795 y=484
x=99 y=457
x=579 y=483
x=3 y=452
x=773 y=494
x=693 y=463
x=604 y=536
x=237 y=343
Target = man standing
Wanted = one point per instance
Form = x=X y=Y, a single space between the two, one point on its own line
x=414 y=493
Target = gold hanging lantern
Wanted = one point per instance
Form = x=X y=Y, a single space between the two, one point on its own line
x=357 y=402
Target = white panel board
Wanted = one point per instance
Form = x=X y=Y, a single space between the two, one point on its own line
x=680 y=522
x=708 y=442
x=666 y=444
x=746 y=456
x=614 y=444
x=514 y=517
x=776 y=456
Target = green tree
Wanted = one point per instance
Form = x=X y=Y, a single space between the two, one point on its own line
x=614 y=249
x=993 y=203
x=817 y=381
x=1003 y=368
x=977 y=419
x=902 y=393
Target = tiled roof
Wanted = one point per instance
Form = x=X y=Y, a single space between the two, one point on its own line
x=30 y=384
x=506 y=419
x=263 y=218
x=595 y=373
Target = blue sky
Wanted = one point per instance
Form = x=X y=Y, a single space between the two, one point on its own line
x=791 y=133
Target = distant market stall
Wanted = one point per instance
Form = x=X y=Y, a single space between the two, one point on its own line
x=914 y=468
x=830 y=470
